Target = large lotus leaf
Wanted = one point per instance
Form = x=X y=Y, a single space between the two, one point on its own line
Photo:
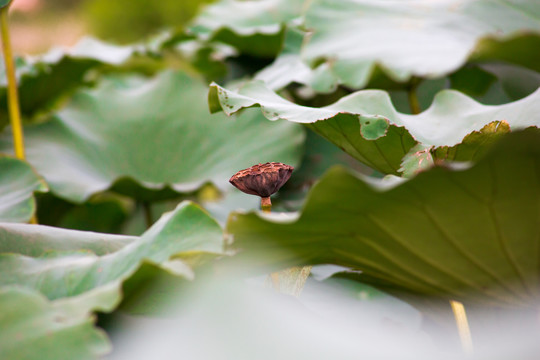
x=4 y=3
x=91 y=277
x=346 y=41
x=157 y=132
x=31 y=327
x=45 y=81
x=470 y=235
x=366 y=125
x=426 y=38
x=18 y=182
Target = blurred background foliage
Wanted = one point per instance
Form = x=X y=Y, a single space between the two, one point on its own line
x=129 y=20
x=38 y=25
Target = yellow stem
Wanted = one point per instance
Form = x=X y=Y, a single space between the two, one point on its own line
x=13 y=97
x=463 y=326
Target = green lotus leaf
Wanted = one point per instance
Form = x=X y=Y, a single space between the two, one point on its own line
x=18 y=182
x=157 y=132
x=219 y=205
x=451 y=117
x=252 y=27
x=429 y=41
x=475 y=144
x=4 y=3
x=46 y=81
x=87 y=269
x=469 y=235
x=38 y=241
x=32 y=327
x=413 y=35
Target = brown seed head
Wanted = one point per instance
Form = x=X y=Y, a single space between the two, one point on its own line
x=262 y=179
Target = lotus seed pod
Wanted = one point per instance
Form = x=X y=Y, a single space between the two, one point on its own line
x=262 y=179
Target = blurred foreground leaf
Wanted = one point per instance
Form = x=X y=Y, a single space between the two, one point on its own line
x=469 y=235
x=87 y=269
x=18 y=182
x=32 y=327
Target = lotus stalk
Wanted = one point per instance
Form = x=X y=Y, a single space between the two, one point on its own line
x=13 y=95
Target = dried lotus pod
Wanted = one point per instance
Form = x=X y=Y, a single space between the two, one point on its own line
x=262 y=180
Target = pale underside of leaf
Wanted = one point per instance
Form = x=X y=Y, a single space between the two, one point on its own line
x=447 y=122
x=90 y=277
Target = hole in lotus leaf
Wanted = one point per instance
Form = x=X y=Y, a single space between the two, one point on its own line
x=373 y=127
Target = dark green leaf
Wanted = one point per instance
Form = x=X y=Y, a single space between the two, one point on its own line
x=468 y=235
